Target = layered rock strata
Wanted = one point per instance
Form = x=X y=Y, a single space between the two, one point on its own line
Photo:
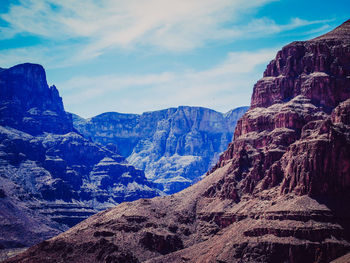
x=279 y=193
x=173 y=146
x=51 y=177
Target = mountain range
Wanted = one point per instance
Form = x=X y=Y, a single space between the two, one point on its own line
x=51 y=177
x=279 y=193
x=174 y=146
x=56 y=169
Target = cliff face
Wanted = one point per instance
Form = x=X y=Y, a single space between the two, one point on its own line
x=317 y=69
x=27 y=103
x=50 y=176
x=279 y=193
x=291 y=117
x=173 y=146
x=111 y=127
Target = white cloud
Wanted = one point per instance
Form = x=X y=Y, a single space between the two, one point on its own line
x=101 y=25
x=221 y=87
x=77 y=30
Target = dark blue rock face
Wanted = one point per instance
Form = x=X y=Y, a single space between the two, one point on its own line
x=29 y=104
x=50 y=175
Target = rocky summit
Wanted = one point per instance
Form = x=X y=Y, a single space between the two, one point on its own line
x=173 y=146
x=279 y=193
x=29 y=104
x=51 y=177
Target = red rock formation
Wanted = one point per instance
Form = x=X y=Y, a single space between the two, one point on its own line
x=279 y=193
x=317 y=69
x=303 y=84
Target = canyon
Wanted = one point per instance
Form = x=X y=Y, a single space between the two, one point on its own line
x=51 y=177
x=279 y=193
x=174 y=146
x=57 y=169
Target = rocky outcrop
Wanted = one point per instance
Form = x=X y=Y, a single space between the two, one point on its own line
x=173 y=146
x=29 y=104
x=319 y=162
x=51 y=177
x=290 y=116
x=317 y=69
x=278 y=194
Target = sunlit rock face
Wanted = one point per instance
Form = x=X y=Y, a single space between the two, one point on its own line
x=173 y=146
x=51 y=177
x=279 y=193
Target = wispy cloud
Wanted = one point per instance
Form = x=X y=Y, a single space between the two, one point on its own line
x=99 y=26
x=221 y=87
x=72 y=32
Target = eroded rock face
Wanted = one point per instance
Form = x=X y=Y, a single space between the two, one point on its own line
x=65 y=178
x=288 y=129
x=317 y=69
x=173 y=146
x=51 y=177
x=280 y=192
x=319 y=162
x=29 y=104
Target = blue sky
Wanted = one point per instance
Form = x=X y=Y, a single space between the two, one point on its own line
x=140 y=55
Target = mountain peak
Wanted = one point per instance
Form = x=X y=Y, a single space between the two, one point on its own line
x=29 y=104
x=341 y=32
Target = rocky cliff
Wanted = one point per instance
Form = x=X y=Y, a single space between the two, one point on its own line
x=173 y=146
x=29 y=104
x=50 y=176
x=279 y=193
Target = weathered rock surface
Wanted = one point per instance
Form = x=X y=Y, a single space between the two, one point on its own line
x=50 y=176
x=317 y=69
x=29 y=104
x=173 y=146
x=280 y=192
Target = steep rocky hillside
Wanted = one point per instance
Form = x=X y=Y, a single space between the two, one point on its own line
x=279 y=193
x=50 y=176
x=173 y=146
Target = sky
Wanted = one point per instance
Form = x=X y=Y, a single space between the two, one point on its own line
x=133 y=56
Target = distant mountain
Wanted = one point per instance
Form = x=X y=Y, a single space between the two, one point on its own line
x=51 y=177
x=173 y=146
x=280 y=192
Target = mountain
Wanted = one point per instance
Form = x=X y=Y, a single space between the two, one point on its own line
x=279 y=193
x=29 y=104
x=174 y=146
x=51 y=177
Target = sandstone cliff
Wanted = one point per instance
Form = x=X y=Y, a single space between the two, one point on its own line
x=279 y=193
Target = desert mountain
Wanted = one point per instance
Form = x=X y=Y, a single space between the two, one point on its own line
x=51 y=177
x=279 y=193
x=174 y=146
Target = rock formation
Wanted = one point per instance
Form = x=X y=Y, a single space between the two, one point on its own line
x=50 y=176
x=173 y=146
x=29 y=104
x=279 y=193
